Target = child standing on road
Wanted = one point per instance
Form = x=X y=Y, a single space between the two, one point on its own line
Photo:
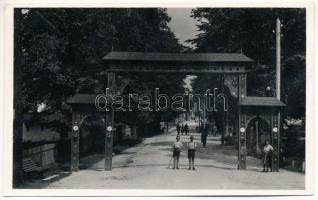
x=176 y=147
x=191 y=153
x=267 y=150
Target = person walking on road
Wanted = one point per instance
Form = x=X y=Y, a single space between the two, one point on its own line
x=267 y=151
x=176 y=147
x=191 y=153
x=214 y=130
x=186 y=129
x=178 y=129
x=203 y=137
x=182 y=129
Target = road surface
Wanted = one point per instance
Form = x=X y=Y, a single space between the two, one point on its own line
x=145 y=166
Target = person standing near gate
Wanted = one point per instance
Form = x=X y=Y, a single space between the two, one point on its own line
x=186 y=129
x=267 y=151
x=178 y=129
x=176 y=147
x=203 y=137
x=191 y=153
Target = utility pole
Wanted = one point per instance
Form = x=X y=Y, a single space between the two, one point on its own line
x=278 y=65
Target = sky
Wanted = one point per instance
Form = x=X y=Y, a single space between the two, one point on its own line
x=183 y=26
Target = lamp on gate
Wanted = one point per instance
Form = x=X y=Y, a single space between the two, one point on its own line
x=242 y=129
x=75 y=128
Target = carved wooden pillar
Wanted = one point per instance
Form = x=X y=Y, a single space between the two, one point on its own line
x=75 y=141
x=275 y=140
x=231 y=81
x=242 y=85
x=226 y=121
x=109 y=123
x=242 y=140
x=257 y=138
x=242 y=124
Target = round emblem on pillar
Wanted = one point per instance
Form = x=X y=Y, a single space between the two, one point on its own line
x=109 y=128
x=75 y=128
x=242 y=129
x=275 y=129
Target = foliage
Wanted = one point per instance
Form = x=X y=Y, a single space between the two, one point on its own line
x=252 y=31
x=62 y=49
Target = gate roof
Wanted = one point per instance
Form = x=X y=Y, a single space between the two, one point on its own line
x=191 y=63
x=192 y=57
x=261 y=101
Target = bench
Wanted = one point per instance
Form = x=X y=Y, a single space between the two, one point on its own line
x=30 y=167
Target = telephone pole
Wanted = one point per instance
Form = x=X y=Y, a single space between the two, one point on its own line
x=278 y=65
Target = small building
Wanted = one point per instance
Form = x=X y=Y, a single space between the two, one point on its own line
x=40 y=141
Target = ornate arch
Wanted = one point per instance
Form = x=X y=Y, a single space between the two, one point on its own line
x=86 y=116
x=251 y=118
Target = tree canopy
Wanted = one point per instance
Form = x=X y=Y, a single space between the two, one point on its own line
x=61 y=51
x=252 y=32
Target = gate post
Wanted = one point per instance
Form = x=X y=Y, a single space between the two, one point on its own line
x=109 y=140
x=275 y=140
x=242 y=140
x=242 y=123
x=75 y=141
x=109 y=123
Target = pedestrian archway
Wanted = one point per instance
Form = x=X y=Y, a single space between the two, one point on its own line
x=258 y=130
x=92 y=139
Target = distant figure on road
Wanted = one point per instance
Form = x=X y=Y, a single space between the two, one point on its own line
x=214 y=130
x=203 y=137
x=186 y=129
x=176 y=147
x=182 y=129
x=178 y=129
x=191 y=153
x=267 y=155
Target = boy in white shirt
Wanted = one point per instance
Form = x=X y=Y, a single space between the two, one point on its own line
x=176 y=147
x=191 y=153
x=267 y=150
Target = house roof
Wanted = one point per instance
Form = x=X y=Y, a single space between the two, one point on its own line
x=261 y=101
x=191 y=57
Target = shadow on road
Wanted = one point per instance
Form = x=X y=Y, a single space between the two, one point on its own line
x=163 y=165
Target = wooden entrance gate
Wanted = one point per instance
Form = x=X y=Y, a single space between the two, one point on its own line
x=231 y=66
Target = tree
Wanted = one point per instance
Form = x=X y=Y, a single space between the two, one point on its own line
x=62 y=50
x=251 y=31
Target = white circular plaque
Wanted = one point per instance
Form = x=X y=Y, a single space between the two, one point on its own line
x=242 y=130
x=275 y=129
x=75 y=128
x=109 y=128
